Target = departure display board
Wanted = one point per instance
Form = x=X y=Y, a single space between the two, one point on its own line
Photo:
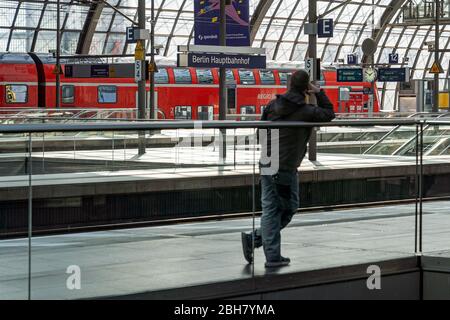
x=350 y=75
x=393 y=75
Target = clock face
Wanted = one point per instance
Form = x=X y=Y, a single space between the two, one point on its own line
x=370 y=75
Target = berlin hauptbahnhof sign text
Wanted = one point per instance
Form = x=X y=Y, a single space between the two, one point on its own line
x=208 y=60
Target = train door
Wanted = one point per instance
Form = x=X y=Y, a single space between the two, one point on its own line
x=205 y=113
x=231 y=99
x=156 y=112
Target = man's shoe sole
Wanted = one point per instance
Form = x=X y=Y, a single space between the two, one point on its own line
x=277 y=264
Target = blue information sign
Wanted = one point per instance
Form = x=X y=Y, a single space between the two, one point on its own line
x=100 y=71
x=325 y=28
x=392 y=75
x=352 y=59
x=207 y=22
x=393 y=58
x=350 y=75
x=130 y=35
x=207 y=60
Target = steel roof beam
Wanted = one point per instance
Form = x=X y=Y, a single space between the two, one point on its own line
x=258 y=16
x=90 y=24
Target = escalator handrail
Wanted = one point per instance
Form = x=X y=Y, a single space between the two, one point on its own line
x=398 y=126
x=415 y=136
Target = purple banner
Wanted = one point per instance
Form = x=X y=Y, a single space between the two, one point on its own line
x=207 y=23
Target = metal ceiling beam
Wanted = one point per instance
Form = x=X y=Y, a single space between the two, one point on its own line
x=258 y=16
x=90 y=24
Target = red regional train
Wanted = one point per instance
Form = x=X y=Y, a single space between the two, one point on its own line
x=28 y=81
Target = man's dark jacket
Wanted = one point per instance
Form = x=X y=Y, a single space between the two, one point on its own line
x=292 y=106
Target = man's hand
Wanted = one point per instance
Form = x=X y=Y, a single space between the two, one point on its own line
x=313 y=88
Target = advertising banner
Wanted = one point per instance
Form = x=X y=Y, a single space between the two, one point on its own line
x=207 y=23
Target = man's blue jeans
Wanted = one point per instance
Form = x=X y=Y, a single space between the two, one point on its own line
x=280 y=200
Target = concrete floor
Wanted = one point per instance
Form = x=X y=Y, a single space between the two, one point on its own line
x=155 y=258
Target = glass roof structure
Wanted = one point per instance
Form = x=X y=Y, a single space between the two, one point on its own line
x=94 y=27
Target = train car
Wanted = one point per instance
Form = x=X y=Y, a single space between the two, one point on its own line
x=181 y=93
x=18 y=81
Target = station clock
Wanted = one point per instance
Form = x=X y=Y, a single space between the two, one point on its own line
x=369 y=74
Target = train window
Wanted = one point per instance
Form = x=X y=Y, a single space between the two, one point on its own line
x=68 y=94
x=183 y=112
x=284 y=77
x=16 y=93
x=248 y=109
x=205 y=113
x=267 y=77
x=107 y=94
x=230 y=76
x=162 y=76
x=247 y=77
x=182 y=76
x=205 y=76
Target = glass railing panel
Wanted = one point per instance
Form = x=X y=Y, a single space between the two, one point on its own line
x=436 y=190
x=14 y=194
x=110 y=221
x=169 y=218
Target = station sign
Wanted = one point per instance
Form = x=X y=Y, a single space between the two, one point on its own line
x=68 y=71
x=130 y=35
x=393 y=74
x=219 y=60
x=139 y=70
x=207 y=23
x=350 y=75
x=312 y=66
x=325 y=28
x=352 y=59
x=436 y=68
x=393 y=58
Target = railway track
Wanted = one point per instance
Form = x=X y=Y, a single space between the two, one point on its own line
x=206 y=218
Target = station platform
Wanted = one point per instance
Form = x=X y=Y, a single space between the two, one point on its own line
x=204 y=260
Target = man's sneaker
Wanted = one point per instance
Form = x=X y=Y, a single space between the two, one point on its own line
x=247 y=247
x=277 y=264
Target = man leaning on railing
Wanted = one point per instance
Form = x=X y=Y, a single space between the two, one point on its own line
x=286 y=149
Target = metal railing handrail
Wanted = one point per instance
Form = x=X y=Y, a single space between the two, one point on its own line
x=165 y=125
